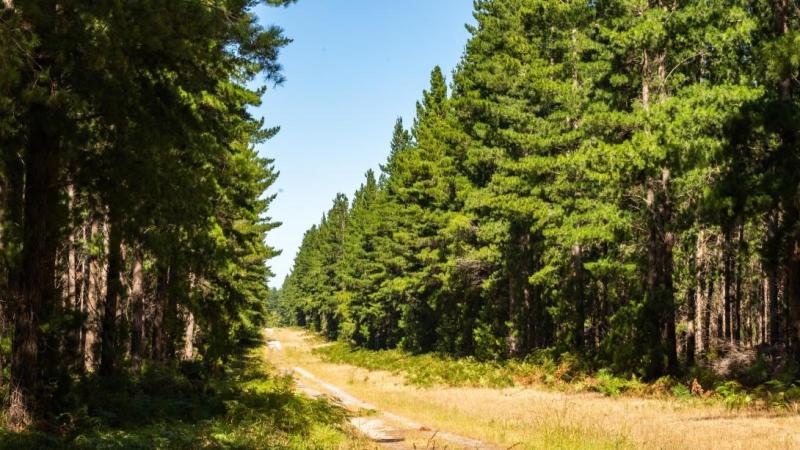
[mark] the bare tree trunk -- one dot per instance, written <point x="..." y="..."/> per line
<point x="3" y="332"/>
<point x="736" y="331"/>
<point x="94" y="291"/>
<point x="660" y="290"/>
<point x="773" y="283"/>
<point x="72" y="287"/>
<point x="521" y="307"/>
<point x="764" y="294"/>
<point x="70" y="293"/>
<point x="532" y="325"/>
<point x="660" y="240"/>
<point x="727" y="286"/>
<point x="84" y="275"/>
<point x="10" y="227"/>
<point x="188" y="338"/>
<point x="793" y="295"/>
<point x="137" y="310"/>
<point x="40" y="238"/>
<point x="691" y="301"/>
<point x="708" y="310"/>
<point x="108" y="353"/>
<point x="513" y="339"/>
<point x="159" y="345"/>
<point x="580" y="307"/>
<point x="701" y="300"/>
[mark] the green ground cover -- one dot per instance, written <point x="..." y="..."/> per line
<point x="246" y="406"/>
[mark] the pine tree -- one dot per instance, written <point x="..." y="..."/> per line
<point x="125" y="118"/>
<point x="611" y="179"/>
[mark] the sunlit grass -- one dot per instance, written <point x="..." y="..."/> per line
<point x="528" y="417"/>
<point x="566" y="375"/>
<point x="455" y="411"/>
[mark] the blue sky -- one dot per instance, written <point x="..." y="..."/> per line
<point x="353" y="68"/>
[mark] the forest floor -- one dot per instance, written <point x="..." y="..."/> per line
<point x="396" y="414"/>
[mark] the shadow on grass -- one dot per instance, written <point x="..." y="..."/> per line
<point x="246" y="408"/>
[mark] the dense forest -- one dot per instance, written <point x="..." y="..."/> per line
<point x="132" y="201"/>
<point x="614" y="179"/>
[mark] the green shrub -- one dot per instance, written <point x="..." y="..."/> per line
<point x="609" y="384"/>
<point x="681" y="391"/>
<point x="733" y="395"/>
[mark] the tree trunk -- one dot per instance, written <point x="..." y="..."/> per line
<point x="108" y="344"/>
<point x="701" y="301"/>
<point x="532" y="324"/>
<point x="83" y="292"/>
<point x="708" y="310"/>
<point x="159" y="344"/>
<point x="727" y="287"/>
<point x="513" y="339"/>
<point x="691" y="299"/>
<point x="72" y="286"/>
<point x="13" y="195"/>
<point x="521" y="307"/>
<point x="772" y="280"/>
<point x="659" y="284"/>
<point x="793" y="295"/>
<point x="3" y="333"/>
<point x="736" y="331"/>
<point x="94" y="287"/>
<point x="580" y="307"/>
<point x="4" y="290"/>
<point x="764" y="293"/>
<point x="137" y="311"/>
<point x="188" y="338"/>
<point x="660" y="332"/>
<point x="40" y="238"/>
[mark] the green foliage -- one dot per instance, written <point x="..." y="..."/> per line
<point x="613" y="386"/>
<point x="590" y="181"/>
<point x="423" y="370"/>
<point x="569" y="373"/>
<point x="776" y="393"/>
<point x="245" y="407"/>
<point x="733" y="395"/>
<point x="127" y="141"/>
<point x="681" y="391"/>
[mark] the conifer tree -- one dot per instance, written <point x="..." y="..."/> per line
<point x="611" y="179"/>
<point x="126" y="118"/>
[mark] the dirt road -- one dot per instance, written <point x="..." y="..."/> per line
<point x="396" y="415"/>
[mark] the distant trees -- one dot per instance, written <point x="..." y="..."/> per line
<point x="132" y="204"/>
<point x="616" y="179"/>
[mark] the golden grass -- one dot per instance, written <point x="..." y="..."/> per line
<point x="527" y="418"/>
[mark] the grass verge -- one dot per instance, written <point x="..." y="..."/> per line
<point x="246" y="407"/>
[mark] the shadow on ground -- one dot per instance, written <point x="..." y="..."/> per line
<point x="246" y="407"/>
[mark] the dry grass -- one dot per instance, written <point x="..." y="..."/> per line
<point x="534" y="419"/>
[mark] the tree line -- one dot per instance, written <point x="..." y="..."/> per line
<point x="616" y="179"/>
<point x="132" y="201"/>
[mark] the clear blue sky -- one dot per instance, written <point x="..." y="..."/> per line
<point x="353" y="68"/>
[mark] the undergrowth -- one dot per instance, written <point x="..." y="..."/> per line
<point x="564" y="374"/>
<point x="246" y="407"/>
